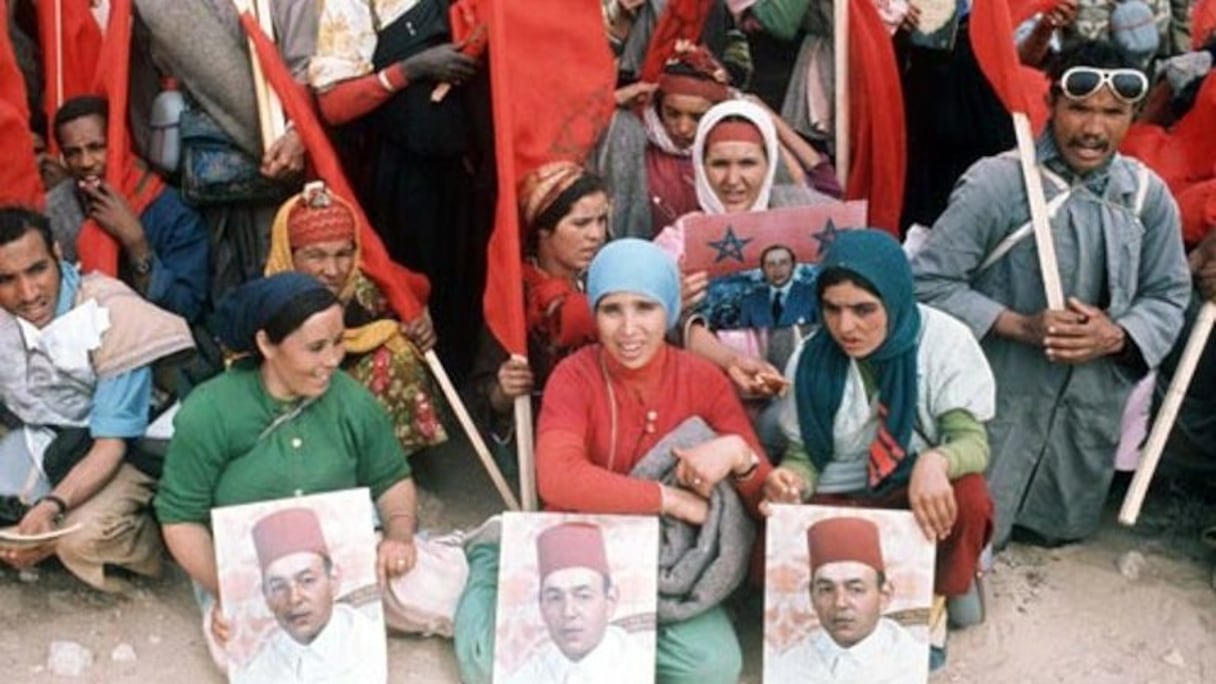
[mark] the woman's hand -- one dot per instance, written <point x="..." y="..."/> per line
<point x="421" y="331"/>
<point x="634" y="94"/>
<point x="702" y="467"/>
<point x="754" y="377"/>
<point x="694" y="287"/>
<point x="514" y="380"/>
<point x="285" y="158"/>
<point x="221" y="631"/>
<point x="444" y="63"/>
<point x="931" y="496"/>
<point x="683" y="505"/>
<point x="783" y="486"/>
<point x="394" y="558"/>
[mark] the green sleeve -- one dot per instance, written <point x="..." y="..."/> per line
<point x="782" y="18"/>
<point x="382" y="461"/>
<point x="964" y="442"/>
<point x="195" y="461"/>
<point x="798" y="461"/>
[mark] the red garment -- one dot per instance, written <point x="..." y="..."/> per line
<point x="553" y="84"/>
<point x="350" y="99"/>
<point x="405" y="290"/>
<point x="1203" y="22"/>
<point x="681" y="20"/>
<point x="557" y="311"/>
<point x="672" y="187"/>
<point x="958" y="555"/>
<point x="1197" y="204"/>
<point x="575" y="469"/>
<point x="878" y="151"/>
<point x="19" y="179"/>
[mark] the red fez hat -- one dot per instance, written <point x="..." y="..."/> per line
<point x="844" y="539"/>
<point x="571" y="545"/>
<point x="319" y="216"/>
<point x="734" y="131"/>
<point x="291" y="530"/>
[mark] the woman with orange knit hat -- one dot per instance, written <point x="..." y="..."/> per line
<point x="316" y="233"/>
<point x="564" y="211"/>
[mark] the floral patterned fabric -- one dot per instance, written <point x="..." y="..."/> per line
<point x="346" y="37"/>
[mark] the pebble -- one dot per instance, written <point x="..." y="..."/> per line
<point x="154" y="639"/>
<point x="28" y="575"/>
<point x="123" y="653"/>
<point x="1131" y="565"/>
<point x="1174" y="657"/>
<point x="69" y="659"/>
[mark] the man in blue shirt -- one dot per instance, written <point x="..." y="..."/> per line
<point x="74" y="355"/>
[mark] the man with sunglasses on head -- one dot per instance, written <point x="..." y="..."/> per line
<point x="1063" y="376"/>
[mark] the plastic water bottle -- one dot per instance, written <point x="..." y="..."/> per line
<point x="165" y="147"/>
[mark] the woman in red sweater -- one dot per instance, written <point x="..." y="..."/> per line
<point x="605" y="407"/>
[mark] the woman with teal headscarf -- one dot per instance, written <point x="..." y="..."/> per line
<point x="888" y="407"/>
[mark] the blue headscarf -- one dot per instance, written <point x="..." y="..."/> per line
<point x="253" y="305"/>
<point x="819" y="380"/>
<point x="639" y="267"/>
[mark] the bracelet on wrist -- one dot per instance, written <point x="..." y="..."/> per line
<point x="61" y="506"/>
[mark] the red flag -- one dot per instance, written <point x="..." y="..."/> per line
<point x="1020" y="88"/>
<point x="98" y="249"/>
<point x="71" y="44"/>
<point x="878" y="150"/>
<point x="552" y="79"/>
<point x="681" y="20"/>
<point x="404" y="289"/>
<point x="19" y="180"/>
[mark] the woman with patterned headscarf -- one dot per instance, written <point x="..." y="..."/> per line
<point x="564" y="211"/>
<point x="315" y="233"/>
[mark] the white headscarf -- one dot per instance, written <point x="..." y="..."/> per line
<point x="762" y="120"/>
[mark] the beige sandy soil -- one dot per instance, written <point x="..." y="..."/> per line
<point x="1063" y="615"/>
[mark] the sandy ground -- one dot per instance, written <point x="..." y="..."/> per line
<point x="1062" y="615"/>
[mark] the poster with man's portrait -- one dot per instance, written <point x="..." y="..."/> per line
<point x="848" y="592"/>
<point x="577" y="599"/>
<point x="298" y="587"/>
<point x="762" y="264"/>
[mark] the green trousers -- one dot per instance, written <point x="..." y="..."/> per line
<point x="700" y="650"/>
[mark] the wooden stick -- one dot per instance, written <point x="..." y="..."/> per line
<point x="1043" y="241"/>
<point x="1168" y="413"/>
<point x="58" y="9"/>
<point x="271" y="122"/>
<point x="278" y="121"/>
<point x="840" y="28"/>
<point x="471" y="431"/>
<point x="525" y="448"/>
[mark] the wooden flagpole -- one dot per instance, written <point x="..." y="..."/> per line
<point x="840" y="46"/>
<point x="1168" y="413"/>
<point x="271" y="121"/>
<point x="1044" y="244"/>
<point x="525" y="448"/>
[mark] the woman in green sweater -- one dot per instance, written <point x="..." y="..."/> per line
<point x="281" y="422"/>
<point x="888" y="407"/>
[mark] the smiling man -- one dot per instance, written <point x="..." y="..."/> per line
<point x="318" y="639"/>
<point x="74" y="355"/>
<point x="849" y="592"/>
<point x="577" y="602"/>
<point x="1063" y="376"/>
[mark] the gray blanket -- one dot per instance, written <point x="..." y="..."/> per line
<point x="698" y="566"/>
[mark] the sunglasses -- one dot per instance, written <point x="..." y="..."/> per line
<point x="1129" y="85"/>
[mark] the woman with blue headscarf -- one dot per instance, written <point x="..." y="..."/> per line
<point x="888" y="407"/>
<point x="608" y="405"/>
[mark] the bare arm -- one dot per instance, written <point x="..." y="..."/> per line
<point x="192" y="548"/>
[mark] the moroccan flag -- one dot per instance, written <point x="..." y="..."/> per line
<point x="98" y="250"/>
<point x="404" y="289"/>
<point x="1020" y="88"/>
<point x="19" y="180"/>
<point x="71" y="44"/>
<point x="681" y="20"/>
<point x="552" y="80"/>
<point x="878" y="149"/>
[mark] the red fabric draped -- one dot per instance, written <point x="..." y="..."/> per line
<point x="552" y="78"/>
<point x="404" y="289"/>
<point x="98" y="250"/>
<point x="69" y="55"/>
<point x="1020" y="88"/>
<point x="1203" y="22"/>
<point x="681" y="19"/>
<point x="878" y="150"/>
<point x="19" y="180"/>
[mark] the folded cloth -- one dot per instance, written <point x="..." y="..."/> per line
<point x="698" y="566"/>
